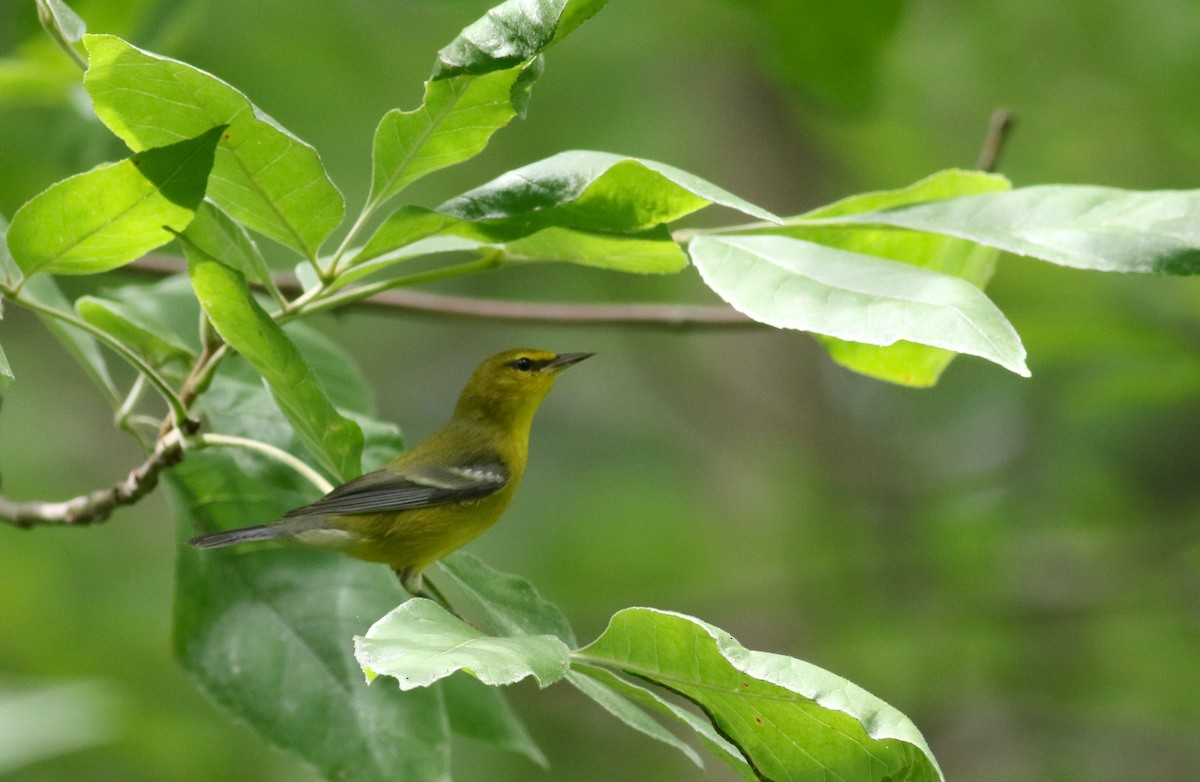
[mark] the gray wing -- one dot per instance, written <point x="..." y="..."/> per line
<point x="385" y="491"/>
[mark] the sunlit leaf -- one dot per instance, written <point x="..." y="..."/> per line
<point x="263" y="176"/>
<point x="1086" y="227"/>
<point x="115" y="213"/>
<point x="454" y="122"/>
<point x="421" y="642"/>
<point x="792" y="720"/>
<point x="789" y="283"/>
<point x="909" y="363"/>
<point x="596" y="191"/>
<point x="510" y="33"/>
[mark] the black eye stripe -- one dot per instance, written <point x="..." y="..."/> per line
<point x="522" y="364"/>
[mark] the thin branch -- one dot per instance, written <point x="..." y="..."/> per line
<point x="674" y="316"/>
<point x="999" y="130"/>
<point x="99" y="504"/>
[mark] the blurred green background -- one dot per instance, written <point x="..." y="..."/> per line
<point x="1015" y="564"/>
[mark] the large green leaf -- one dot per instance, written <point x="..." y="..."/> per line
<point x="511" y="33"/>
<point x="263" y="175"/>
<point x="266" y="634"/>
<point x="789" y="283"/>
<point x="909" y="363"/>
<point x="595" y="191"/>
<point x="454" y="122"/>
<point x="482" y="714"/>
<point x="1086" y="227"/>
<point x="792" y="720"/>
<point x="420" y="642"/>
<point x="334" y="440"/>
<point x="115" y="213"/>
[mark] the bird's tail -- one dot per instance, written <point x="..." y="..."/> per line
<point x="244" y="535"/>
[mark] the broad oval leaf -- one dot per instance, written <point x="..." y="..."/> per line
<point x="263" y="175"/>
<point x="791" y="720"/>
<point x="420" y="642"/>
<point x="226" y="240"/>
<point x="1086" y="227"/>
<point x="789" y="283"/>
<point x="596" y="191"/>
<point x="334" y="440"/>
<point x="908" y="363"/>
<point x="115" y="213"/>
<point x="510" y="33"/>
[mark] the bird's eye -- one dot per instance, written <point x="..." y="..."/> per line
<point x="523" y="364"/>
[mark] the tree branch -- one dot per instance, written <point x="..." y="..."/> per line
<point x="99" y="504"/>
<point x="999" y="129"/>
<point x="673" y="316"/>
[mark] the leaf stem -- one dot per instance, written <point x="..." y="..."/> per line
<point x="278" y="454"/>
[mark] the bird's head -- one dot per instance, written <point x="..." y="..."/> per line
<point x="509" y="386"/>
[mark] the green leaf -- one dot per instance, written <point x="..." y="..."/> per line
<point x="265" y="633"/>
<point x="904" y="362"/>
<point x="421" y="642"/>
<point x="43" y="721"/>
<point x="334" y="440"/>
<point x="156" y="344"/>
<point x="791" y="719"/>
<point x="511" y="33"/>
<point x="1085" y="227"/>
<point x="594" y="191"/>
<point x="631" y="714"/>
<point x="226" y="240"/>
<point x="115" y="213"/>
<point x="263" y="175"/>
<point x="454" y="123"/>
<point x="508" y="602"/>
<point x="789" y="283"/>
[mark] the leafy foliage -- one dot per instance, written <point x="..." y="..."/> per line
<point x="892" y="283"/>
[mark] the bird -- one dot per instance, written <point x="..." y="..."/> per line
<point x="439" y="495"/>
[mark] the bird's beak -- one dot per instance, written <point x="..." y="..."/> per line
<point x="564" y="360"/>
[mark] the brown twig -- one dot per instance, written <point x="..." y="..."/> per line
<point x="681" y="316"/>
<point x="98" y="505"/>
<point x="999" y="129"/>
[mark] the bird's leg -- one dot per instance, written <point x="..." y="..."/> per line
<point x="416" y="585"/>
